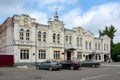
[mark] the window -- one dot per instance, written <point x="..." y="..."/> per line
<point x="89" y="45"/>
<point x="70" y="40"/>
<point x="107" y="47"/>
<point x="86" y="44"/>
<point x="99" y="57"/>
<point x="24" y="54"/>
<point x="79" y="55"/>
<point x="77" y="41"/>
<point x="42" y="54"/>
<point x="66" y="39"/>
<point x="21" y="34"/>
<point x="27" y="34"/>
<point x="44" y="37"/>
<point x="95" y="46"/>
<point x="96" y="57"/>
<point x="104" y="47"/>
<point x="53" y="38"/>
<point x="39" y="36"/>
<point x="58" y="38"/>
<point x="98" y="46"/>
<point x="80" y="41"/>
<point x="56" y="54"/>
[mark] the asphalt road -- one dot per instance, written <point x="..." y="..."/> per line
<point x="105" y="72"/>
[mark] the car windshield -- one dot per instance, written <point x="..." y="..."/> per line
<point x="89" y="61"/>
<point x="54" y="61"/>
<point x="70" y="61"/>
<point x="74" y="61"/>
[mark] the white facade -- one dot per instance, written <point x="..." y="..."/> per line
<point x="29" y="41"/>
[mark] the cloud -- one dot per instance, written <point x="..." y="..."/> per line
<point x="59" y="8"/>
<point x="51" y="2"/>
<point x="9" y="2"/>
<point x="11" y="6"/>
<point x="39" y="16"/>
<point x="72" y="18"/>
<point x="95" y="19"/>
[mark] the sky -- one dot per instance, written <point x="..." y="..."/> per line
<point x="91" y="15"/>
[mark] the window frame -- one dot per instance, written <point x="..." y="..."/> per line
<point x="39" y="36"/>
<point x="44" y="36"/>
<point x="21" y="34"/>
<point x="56" y="54"/>
<point x="27" y="34"/>
<point x="58" y="38"/>
<point x="54" y="37"/>
<point x="24" y="54"/>
<point x="70" y="37"/>
<point x="41" y="54"/>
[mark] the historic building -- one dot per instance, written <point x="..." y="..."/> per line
<point x="29" y="41"/>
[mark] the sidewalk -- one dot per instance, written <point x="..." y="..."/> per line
<point x="110" y="64"/>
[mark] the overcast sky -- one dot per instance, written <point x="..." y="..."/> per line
<point x="91" y="15"/>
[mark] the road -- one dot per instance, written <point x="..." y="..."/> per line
<point x="105" y="72"/>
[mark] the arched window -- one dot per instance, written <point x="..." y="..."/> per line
<point x="77" y="41"/>
<point x="39" y="36"/>
<point x="89" y="45"/>
<point x="104" y="47"/>
<point x="86" y="44"/>
<point x="70" y="39"/>
<point x="66" y="38"/>
<point x="27" y="35"/>
<point x="21" y="34"/>
<point x="44" y="37"/>
<point x="80" y="41"/>
<point x="53" y="38"/>
<point x="107" y="47"/>
<point x="58" y="38"/>
<point x="98" y="46"/>
<point x="95" y="46"/>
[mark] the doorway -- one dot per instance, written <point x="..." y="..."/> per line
<point x="90" y="56"/>
<point x="105" y="58"/>
<point x="68" y="55"/>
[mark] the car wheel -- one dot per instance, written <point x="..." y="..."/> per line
<point x="71" y="67"/>
<point x="50" y="68"/>
<point x="93" y="65"/>
<point x="37" y="67"/>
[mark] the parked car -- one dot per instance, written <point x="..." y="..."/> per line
<point x="70" y="64"/>
<point x="49" y="64"/>
<point x="90" y="63"/>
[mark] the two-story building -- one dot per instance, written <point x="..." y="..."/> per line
<point x="30" y="41"/>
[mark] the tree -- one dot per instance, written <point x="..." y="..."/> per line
<point x="110" y="32"/>
<point x="116" y="52"/>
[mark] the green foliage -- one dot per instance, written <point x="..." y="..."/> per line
<point x="110" y="32"/>
<point x="116" y="52"/>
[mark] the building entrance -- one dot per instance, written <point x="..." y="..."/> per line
<point x="68" y="55"/>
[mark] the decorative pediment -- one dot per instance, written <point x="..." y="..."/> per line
<point x="89" y="35"/>
<point x="57" y="26"/>
<point x="79" y="30"/>
<point x="23" y="20"/>
<point x="69" y="32"/>
<point x="105" y="37"/>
